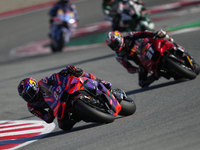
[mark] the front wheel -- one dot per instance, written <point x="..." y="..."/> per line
<point x="128" y="107"/>
<point x="92" y="112"/>
<point x="197" y="68"/>
<point x="58" y="43"/>
<point x="180" y="69"/>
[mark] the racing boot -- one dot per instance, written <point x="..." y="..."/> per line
<point x="147" y="82"/>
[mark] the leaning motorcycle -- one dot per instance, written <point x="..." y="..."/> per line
<point x="89" y="98"/>
<point x="62" y="26"/>
<point x="166" y="59"/>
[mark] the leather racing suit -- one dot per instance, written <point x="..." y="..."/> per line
<point x="127" y="54"/>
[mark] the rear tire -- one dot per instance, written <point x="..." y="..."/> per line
<point x="177" y="68"/>
<point x="93" y="113"/>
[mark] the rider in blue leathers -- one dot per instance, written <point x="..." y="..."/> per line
<point x="65" y="6"/>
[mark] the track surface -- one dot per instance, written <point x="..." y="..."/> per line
<point x="167" y="115"/>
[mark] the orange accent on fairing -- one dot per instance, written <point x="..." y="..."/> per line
<point x="92" y="77"/>
<point x="118" y="107"/>
<point x="78" y="86"/>
<point x="189" y="61"/>
<point x="63" y="110"/>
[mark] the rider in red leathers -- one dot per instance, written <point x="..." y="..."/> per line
<point x="123" y="46"/>
<point x="33" y="93"/>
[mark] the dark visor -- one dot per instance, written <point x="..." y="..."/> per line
<point x="29" y="94"/>
<point x="114" y="45"/>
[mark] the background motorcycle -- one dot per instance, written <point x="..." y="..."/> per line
<point x="163" y="58"/>
<point x="63" y="24"/>
<point x="87" y="97"/>
<point x="133" y="17"/>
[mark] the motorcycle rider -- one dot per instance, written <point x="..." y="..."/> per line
<point x="114" y="13"/>
<point x="65" y="6"/>
<point x="123" y="46"/>
<point x="33" y="93"/>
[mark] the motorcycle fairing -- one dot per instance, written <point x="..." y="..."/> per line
<point x="72" y="85"/>
<point x="150" y="54"/>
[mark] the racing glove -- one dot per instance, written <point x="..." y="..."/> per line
<point x="106" y="84"/>
<point x="160" y="34"/>
<point x="72" y="70"/>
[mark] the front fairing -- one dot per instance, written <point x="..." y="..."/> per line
<point x="62" y="84"/>
<point x="98" y="90"/>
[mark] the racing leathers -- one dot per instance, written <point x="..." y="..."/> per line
<point x="64" y="7"/>
<point x="127" y="53"/>
<point x="60" y="7"/>
<point x="41" y="109"/>
<point x="118" y="11"/>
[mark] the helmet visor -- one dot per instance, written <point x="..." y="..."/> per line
<point x="115" y="45"/>
<point x="29" y="93"/>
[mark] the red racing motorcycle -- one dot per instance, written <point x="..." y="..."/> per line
<point x="163" y="58"/>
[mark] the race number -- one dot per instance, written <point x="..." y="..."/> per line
<point x="57" y="92"/>
<point x="150" y="53"/>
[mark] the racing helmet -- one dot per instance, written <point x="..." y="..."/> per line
<point x="28" y="89"/>
<point x="115" y="40"/>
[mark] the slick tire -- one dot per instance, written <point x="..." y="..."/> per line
<point x="93" y="113"/>
<point x="197" y="69"/>
<point x="177" y="68"/>
<point x="128" y="108"/>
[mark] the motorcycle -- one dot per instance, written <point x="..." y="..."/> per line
<point x="166" y="59"/>
<point x="62" y="25"/>
<point x="133" y="17"/>
<point x="89" y="98"/>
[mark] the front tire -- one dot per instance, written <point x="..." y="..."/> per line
<point x="93" y="113"/>
<point x="128" y="108"/>
<point x="197" y="69"/>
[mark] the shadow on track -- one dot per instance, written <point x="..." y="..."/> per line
<point x="155" y="87"/>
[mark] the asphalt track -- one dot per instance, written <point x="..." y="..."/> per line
<point x="167" y="115"/>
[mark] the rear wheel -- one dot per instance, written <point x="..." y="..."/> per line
<point x="93" y="113"/>
<point x="180" y="69"/>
